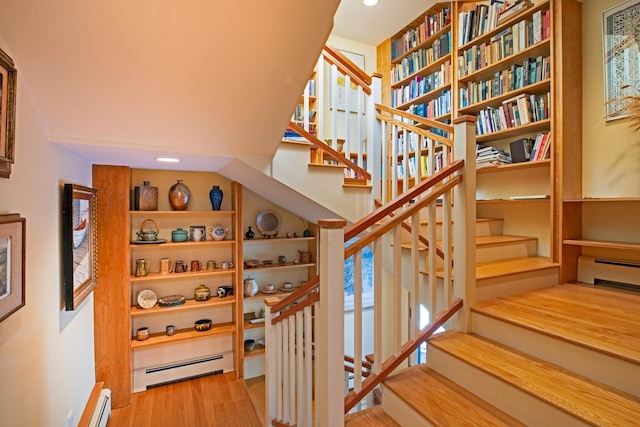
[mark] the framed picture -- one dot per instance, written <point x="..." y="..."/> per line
<point x="79" y="246"/>
<point x="12" y="284"/>
<point x="620" y="45"/>
<point x="8" y="78"/>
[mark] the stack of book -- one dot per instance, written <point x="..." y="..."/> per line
<point x="491" y="156"/>
<point x="514" y="9"/>
<point x="291" y="135"/>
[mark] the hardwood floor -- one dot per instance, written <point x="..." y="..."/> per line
<point x="217" y="400"/>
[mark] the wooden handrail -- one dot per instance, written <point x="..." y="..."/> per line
<point x="344" y="64"/>
<point x="333" y="153"/>
<point x="295" y="295"/>
<point x="311" y="298"/>
<point x="404" y="198"/>
<point x="393" y="362"/>
<point x="382" y="229"/>
<point x="444" y="140"/>
<point x="422" y="120"/>
<point x="407" y="227"/>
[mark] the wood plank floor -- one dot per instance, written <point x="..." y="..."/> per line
<point x="601" y="319"/>
<point x="217" y="400"/>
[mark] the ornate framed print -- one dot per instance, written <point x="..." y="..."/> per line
<point x="621" y="43"/>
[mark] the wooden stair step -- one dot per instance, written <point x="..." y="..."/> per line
<point x="573" y="394"/>
<point x="602" y="320"/>
<point x="371" y="417"/>
<point x="507" y="267"/>
<point x="487" y="241"/>
<point x="443" y="402"/>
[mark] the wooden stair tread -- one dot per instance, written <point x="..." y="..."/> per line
<point x="371" y="417"/>
<point x="599" y="319"/>
<point x="443" y="402"/>
<point x="585" y="399"/>
<point x="505" y="267"/>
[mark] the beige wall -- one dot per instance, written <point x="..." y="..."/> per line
<point x="46" y="353"/>
<point x="611" y="150"/>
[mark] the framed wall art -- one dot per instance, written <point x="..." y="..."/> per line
<point x="79" y="246"/>
<point x="620" y="44"/>
<point x="8" y="79"/>
<point x="12" y="254"/>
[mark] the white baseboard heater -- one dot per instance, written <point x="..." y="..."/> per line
<point x="616" y="273"/>
<point x="102" y="411"/>
<point x="145" y="378"/>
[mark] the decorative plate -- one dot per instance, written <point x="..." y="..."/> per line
<point x="171" y="300"/>
<point x="148" y="242"/>
<point x="269" y="223"/>
<point x="147" y="298"/>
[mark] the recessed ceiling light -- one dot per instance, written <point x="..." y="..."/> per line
<point x="167" y="159"/>
<point x="370" y="2"/>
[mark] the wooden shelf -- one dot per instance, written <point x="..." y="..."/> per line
<point x="259" y="350"/>
<point x="188" y="274"/>
<point x="189" y="304"/>
<point x="148" y="214"/>
<point x="249" y="325"/>
<point x="633" y="246"/>
<point x="278" y="239"/>
<point x="425" y="97"/>
<point x="423" y="72"/>
<point x="536" y="88"/>
<point x="604" y="200"/>
<point x="277" y="266"/>
<point x="496" y="201"/>
<point x="262" y="295"/>
<point x="182" y="245"/>
<point x="183" y="334"/>
<point x="426" y="43"/>
<point x="514" y="166"/>
<point x="539" y="126"/>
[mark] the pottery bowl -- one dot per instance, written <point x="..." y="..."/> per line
<point x="249" y="345"/>
<point x="203" y="325"/>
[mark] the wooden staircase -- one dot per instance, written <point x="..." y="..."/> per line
<point x="559" y="356"/>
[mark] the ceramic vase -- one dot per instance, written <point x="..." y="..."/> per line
<point x="216" y="197"/>
<point x="179" y="196"/>
<point x="250" y="234"/>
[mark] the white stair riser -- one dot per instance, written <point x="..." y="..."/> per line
<point x="520" y="249"/>
<point x="515" y="402"/>
<point x="512" y="284"/>
<point x="483" y="228"/>
<point x="400" y="411"/>
<point x="619" y="374"/>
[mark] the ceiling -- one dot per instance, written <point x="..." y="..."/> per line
<point x="123" y="82"/>
<point x="372" y="25"/>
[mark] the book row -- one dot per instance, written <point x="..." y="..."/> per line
<point x="421" y="85"/>
<point x="517" y="111"/>
<point x="434" y="108"/>
<point x="478" y="21"/>
<point x="517" y="76"/>
<point x="412" y="140"/>
<point x="510" y="41"/>
<point x="425" y="166"/>
<point x="415" y="36"/>
<point x="491" y="156"/>
<point x="421" y="58"/>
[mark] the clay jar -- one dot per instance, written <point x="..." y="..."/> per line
<point x="202" y="293"/>
<point x="179" y="196"/>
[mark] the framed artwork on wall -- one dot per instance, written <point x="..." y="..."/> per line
<point x="12" y="254"/>
<point x="79" y="246"/>
<point x="8" y="78"/>
<point x="621" y="50"/>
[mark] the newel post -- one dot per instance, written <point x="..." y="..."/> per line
<point x="329" y="396"/>
<point x="464" y="220"/>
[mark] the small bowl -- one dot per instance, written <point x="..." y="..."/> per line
<point x="267" y="262"/>
<point x="249" y="345"/>
<point x="203" y="325"/>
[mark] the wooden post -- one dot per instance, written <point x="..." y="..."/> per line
<point x="374" y="139"/>
<point x="330" y="327"/>
<point x="272" y="348"/>
<point x="464" y="219"/>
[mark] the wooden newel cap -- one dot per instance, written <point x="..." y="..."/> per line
<point x="332" y="223"/>
<point x="465" y="119"/>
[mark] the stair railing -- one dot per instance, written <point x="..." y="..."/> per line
<point x="305" y="331"/>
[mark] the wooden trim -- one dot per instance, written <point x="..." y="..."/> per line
<point x="237" y="191"/>
<point x="393" y="362"/>
<point x="332" y="223"/>
<point x="91" y="405"/>
<point x="465" y="119"/>
<point x="312" y="298"/>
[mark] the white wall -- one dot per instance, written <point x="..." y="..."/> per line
<point x="611" y="150"/>
<point x="46" y="353"/>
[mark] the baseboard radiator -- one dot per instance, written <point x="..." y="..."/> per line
<point x="608" y="272"/>
<point x="149" y="377"/>
<point x="102" y="411"/>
